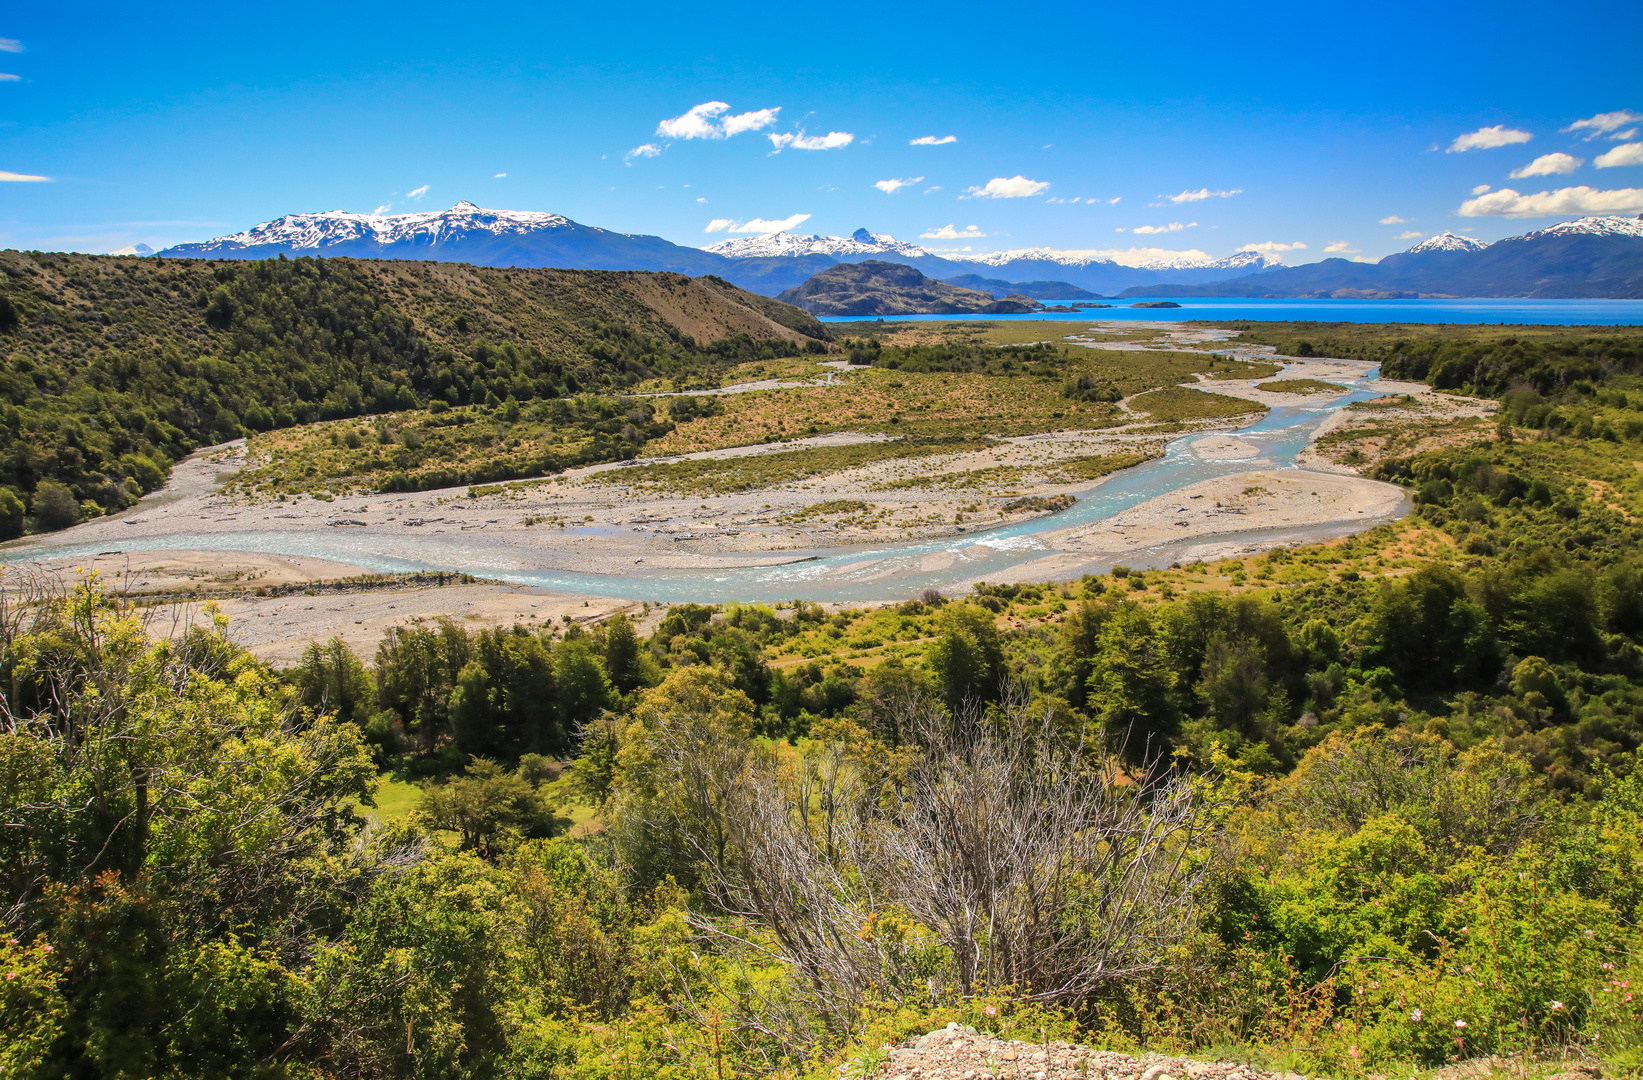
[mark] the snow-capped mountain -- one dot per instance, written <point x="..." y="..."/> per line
<point x="785" y="245"/>
<point x="1446" y="241"/>
<point x="1245" y="261"/>
<point x="1601" y="225"/>
<point x="1593" y="257"/>
<point x="303" y="232"/>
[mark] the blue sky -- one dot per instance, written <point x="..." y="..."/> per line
<point x="1320" y="123"/>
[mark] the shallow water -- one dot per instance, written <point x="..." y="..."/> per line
<point x="853" y="574"/>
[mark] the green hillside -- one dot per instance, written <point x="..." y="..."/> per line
<point x="113" y="368"/>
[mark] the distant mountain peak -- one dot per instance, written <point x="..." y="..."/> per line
<point x="329" y="228"/>
<point x="794" y="245"/>
<point x="1597" y="225"/>
<point x="1446" y="241"/>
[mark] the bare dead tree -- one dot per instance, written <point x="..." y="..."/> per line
<point x="1029" y="863"/>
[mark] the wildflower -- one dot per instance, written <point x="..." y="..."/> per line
<point x="991" y="1010"/>
<point x="1415" y="1015"/>
<point x="1355" y="1052"/>
<point x="48" y="948"/>
<point x="1589" y="933"/>
<point x="1556" y="1005"/>
<point x="1608" y="966"/>
<point x="10" y="975"/>
<point x="1460" y="1023"/>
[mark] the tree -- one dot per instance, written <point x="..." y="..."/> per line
<point x="330" y="678"/>
<point x="1131" y="685"/>
<point x="584" y="689"/>
<point x="55" y="506"/>
<point x="622" y="655"/>
<point x="11" y="514"/>
<point x="967" y="659"/>
<point x="486" y="805"/>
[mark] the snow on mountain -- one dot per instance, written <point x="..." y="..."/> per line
<point x="1601" y="225"/>
<point x="298" y="231"/>
<point x="1135" y="258"/>
<point x="1446" y="241"/>
<point x="793" y="245"/>
<point x="134" y="249"/>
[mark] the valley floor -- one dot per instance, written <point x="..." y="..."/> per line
<point x="636" y="522"/>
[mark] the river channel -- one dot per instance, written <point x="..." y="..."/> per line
<point x="859" y="573"/>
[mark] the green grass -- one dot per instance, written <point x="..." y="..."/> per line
<point x="710" y="476"/>
<point x="1179" y="403"/>
<point x="395" y="800"/>
<point x="1302" y="386"/>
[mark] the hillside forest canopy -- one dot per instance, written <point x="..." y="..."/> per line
<point x="1366" y="807"/>
<point x="115" y="368"/>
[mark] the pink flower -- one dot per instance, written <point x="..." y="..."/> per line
<point x="1460" y="1023"/>
<point x="48" y="948"/>
<point x="1556" y="1005"/>
<point x="991" y="1010"/>
<point x="1415" y="1015"/>
<point x="10" y="975"/>
<point x="1355" y="1052"/>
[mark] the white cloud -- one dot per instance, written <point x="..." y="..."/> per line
<point x="1272" y="247"/>
<point x="1480" y="189"/>
<point x="756" y="120"/>
<point x="757" y="226"/>
<point x="1630" y="154"/>
<point x="1114" y="200"/>
<point x="1393" y="219"/>
<point x="1487" y="139"/>
<point x="800" y="141"/>
<point x="707" y="121"/>
<point x="1341" y="247"/>
<point x="1008" y="187"/>
<point x="10" y="45"/>
<point x="1365" y="259"/>
<point x="1410" y="235"/>
<point x="1549" y="165"/>
<point x="22" y="178"/>
<point x="1569" y="200"/>
<point x="933" y="140"/>
<point x="1622" y="136"/>
<point x="700" y="199"/>
<point x="1153" y="230"/>
<point x="698" y="123"/>
<point x="932" y="187"/>
<point x="953" y="232"/>
<point x="643" y="150"/>
<point x="418" y="192"/>
<point x="384" y="208"/>
<point x="1201" y="194"/>
<point x="6" y="76"/>
<point x="889" y="187"/>
<point x="500" y="176"/>
<point x="1603" y="124"/>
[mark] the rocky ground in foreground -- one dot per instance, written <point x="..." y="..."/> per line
<point x="961" y="1053"/>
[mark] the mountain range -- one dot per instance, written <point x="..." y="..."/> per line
<point x="1592" y="257"/>
<point x="765" y="264"/>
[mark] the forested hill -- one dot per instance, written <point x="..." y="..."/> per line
<point x="113" y="368"/>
